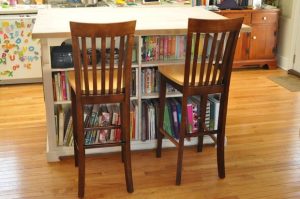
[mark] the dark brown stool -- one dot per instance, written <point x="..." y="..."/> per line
<point x="200" y="77"/>
<point x="92" y="84"/>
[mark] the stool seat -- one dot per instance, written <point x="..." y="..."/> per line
<point x="176" y="73"/>
<point x="90" y="78"/>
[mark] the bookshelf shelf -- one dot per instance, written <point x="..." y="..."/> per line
<point x="62" y="102"/>
<point x="157" y="63"/>
<point x="61" y="69"/>
<point x="156" y="95"/>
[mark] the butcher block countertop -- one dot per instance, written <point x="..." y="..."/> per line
<point x="54" y="23"/>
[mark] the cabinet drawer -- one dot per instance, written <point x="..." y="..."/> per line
<point x="247" y="16"/>
<point x="264" y="18"/>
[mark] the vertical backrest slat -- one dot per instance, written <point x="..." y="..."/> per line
<point x="120" y="63"/>
<point x="227" y="52"/>
<point x="77" y="66"/>
<point x="203" y="59"/>
<point x="85" y="65"/>
<point x="94" y="65"/>
<point x="195" y="59"/>
<point x="103" y="59"/>
<point x="111" y="64"/>
<point x="188" y="59"/>
<point x="218" y="58"/>
<point x="128" y="62"/>
<point x="211" y="59"/>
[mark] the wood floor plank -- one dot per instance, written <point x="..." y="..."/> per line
<point x="262" y="153"/>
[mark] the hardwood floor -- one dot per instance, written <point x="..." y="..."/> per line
<point x="262" y="153"/>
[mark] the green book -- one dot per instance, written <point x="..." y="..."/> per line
<point x="167" y="121"/>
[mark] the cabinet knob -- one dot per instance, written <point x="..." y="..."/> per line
<point x="254" y="37"/>
<point x="264" y="18"/>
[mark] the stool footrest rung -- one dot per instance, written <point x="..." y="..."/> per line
<point x="102" y="127"/>
<point x="172" y="139"/>
<point x="90" y="146"/>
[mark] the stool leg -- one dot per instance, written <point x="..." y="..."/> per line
<point x="162" y="99"/>
<point x="123" y="150"/>
<point x="81" y="151"/>
<point x="127" y="153"/>
<point x="221" y="136"/>
<point x="200" y="143"/>
<point x="220" y="154"/>
<point x="81" y="173"/>
<point x="74" y="117"/>
<point x="181" y="139"/>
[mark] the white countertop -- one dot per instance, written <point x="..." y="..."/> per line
<point x="22" y="9"/>
<point x="54" y="23"/>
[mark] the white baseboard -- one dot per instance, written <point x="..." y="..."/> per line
<point x="284" y="63"/>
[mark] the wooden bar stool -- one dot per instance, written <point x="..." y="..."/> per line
<point x="107" y="83"/>
<point x="200" y="77"/>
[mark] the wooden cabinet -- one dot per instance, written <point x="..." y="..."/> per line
<point x="259" y="46"/>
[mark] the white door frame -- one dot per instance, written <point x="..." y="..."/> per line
<point x="296" y="27"/>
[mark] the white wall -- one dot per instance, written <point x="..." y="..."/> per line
<point x="287" y="32"/>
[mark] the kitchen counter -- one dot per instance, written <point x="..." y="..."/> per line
<point x="22" y="9"/>
<point x="54" y="23"/>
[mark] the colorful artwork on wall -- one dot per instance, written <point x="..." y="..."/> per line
<point x="19" y="53"/>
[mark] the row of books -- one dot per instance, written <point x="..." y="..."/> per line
<point x="109" y="114"/>
<point x="94" y="115"/>
<point x="64" y="125"/>
<point x="172" y="116"/>
<point x="158" y="48"/>
<point x="149" y="120"/>
<point x="172" y="120"/>
<point x="102" y="115"/>
<point x="61" y="87"/>
<point x="198" y="2"/>
<point x="150" y="81"/>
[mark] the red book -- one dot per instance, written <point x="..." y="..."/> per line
<point x="161" y="48"/>
<point x="169" y="46"/>
<point x="63" y="85"/>
<point x="165" y="47"/>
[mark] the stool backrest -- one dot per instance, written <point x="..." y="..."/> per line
<point x="114" y="72"/>
<point x="210" y="44"/>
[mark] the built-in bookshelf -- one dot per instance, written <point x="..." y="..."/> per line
<point x="160" y="49"/>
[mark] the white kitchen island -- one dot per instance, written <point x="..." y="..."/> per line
<point x="52" y="27"/>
